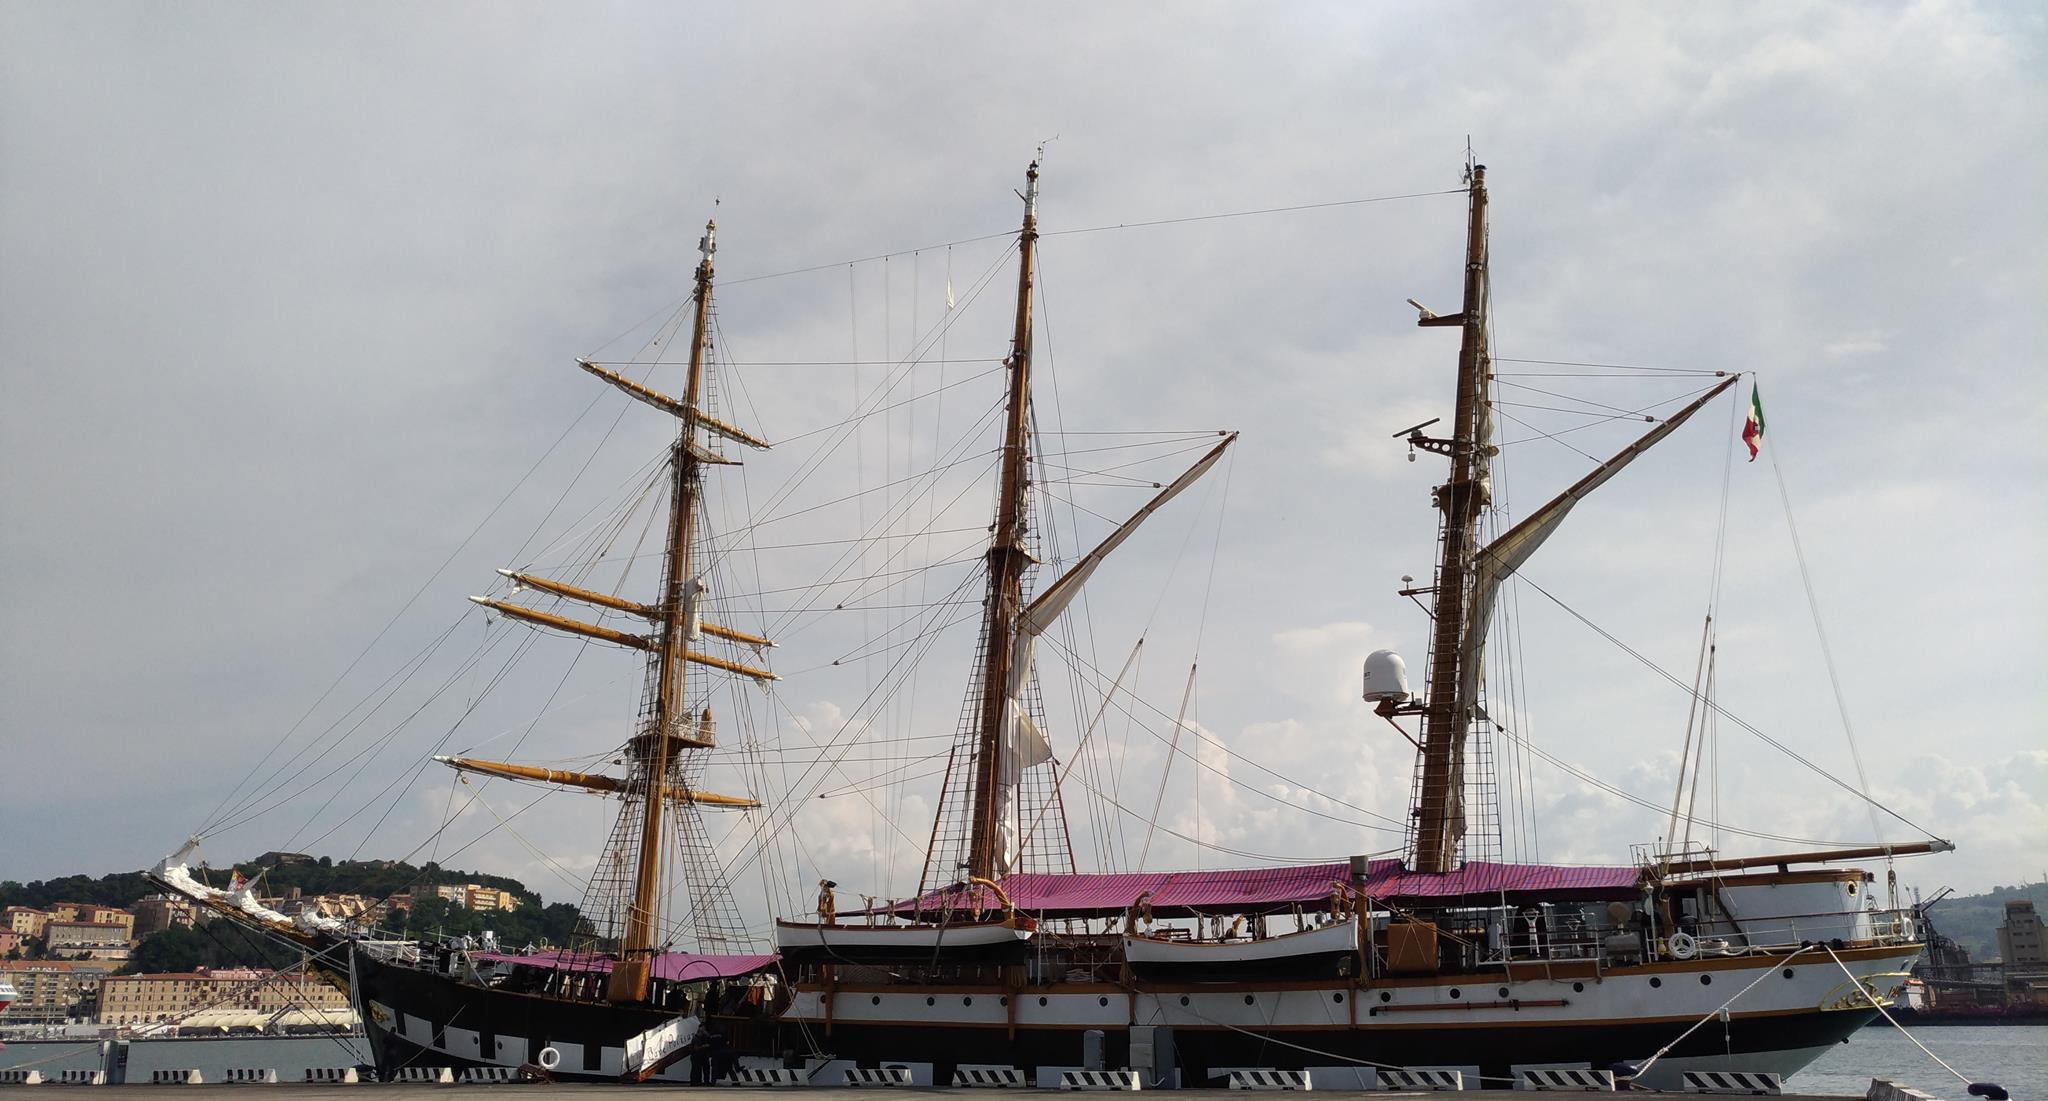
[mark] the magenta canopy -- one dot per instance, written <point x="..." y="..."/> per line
<point x="669" y="966"/>
<point x="1178" y="894"/>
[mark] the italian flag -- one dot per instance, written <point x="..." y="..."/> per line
<point x="1753" y="428"/>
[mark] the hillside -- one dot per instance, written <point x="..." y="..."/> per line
<point x="1973" y="920"/>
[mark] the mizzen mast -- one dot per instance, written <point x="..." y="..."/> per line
<point x="1440" y="801"/>
<point x="1007" y="558"/>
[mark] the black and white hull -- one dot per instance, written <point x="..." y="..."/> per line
<point x="418" y="1017"/>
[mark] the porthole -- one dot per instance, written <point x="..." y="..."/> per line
<point x="1183" y="999"/>
<point x="1655" y="981"/>
<point x="1788" y="972"/>
<point x="1102" y="1001"/>
<point x="967" y="1001"/>
<point x="1250" y="1000"/>
<point x="931" y="1001"/>
<point x="1042" y="1001"/>
<point x="1004" y="1000"/>
<point x="876" y="1000"/>
<point x="1338" y="998"/>
<point x="1503" y="991"/>
<point x="1578" y="988"/>
<point x="1386" y="995"/>
<point x="1455" y="995"/>
<point x="1706" y="980"/>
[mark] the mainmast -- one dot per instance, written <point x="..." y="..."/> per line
<point x="1448" y="714"/>
<point x="1007" y="556"/>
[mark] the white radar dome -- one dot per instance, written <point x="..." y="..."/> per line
<point x="1386" y="677"/>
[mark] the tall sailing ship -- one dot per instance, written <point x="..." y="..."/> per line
<point x="1435" y="960"/>
<point x="1009" y="957"/>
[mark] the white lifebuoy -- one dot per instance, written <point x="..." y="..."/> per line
<point x="550" y="1058"/>
<point x="1682" y="946"/>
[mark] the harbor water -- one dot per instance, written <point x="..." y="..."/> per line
<point x="2014" y="1056"/>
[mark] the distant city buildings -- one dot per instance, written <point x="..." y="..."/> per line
<point x="80" y="940"/>
<point x="474" y="896"/>
<point x="26" y="920"/>
<point x="2019" y="939"/>
<point x="238" y="995"/>
<point x="52" y="992"/>
<point x="159" y="912"/>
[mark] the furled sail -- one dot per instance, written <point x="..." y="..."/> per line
<point x="1022" y="745"/>
<point x="1495" y="561"/>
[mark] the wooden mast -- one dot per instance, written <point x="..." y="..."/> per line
<point x="670" y="729"/>
<point x="1007" y="557"/>
<point x="1439" y="808"/>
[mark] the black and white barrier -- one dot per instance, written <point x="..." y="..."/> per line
<point x="1752" y="1082"/>
<point x="188" y="1076"/>
<point x="81" y="1078"/>
<point x="1411" y="1079"/>
<point x="989" y="1078"/>
<point x="877" y="1076"/>
<point x="767" y="1076"/>
<point x="438" y="1076"/>
<point x="1270" y="1080"/>
<point x="1100" y="1080"/>
<point x="332" y="1076"/>
<point x="490" y="1076"/>
<point x="265" y="1076"/>
<point x="21" y="1078"/>
<point x="1571" y="1081"/>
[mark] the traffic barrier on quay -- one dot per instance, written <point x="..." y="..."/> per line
<point x="877" y="1076"/>
<point x="266" y="1076"/>
<point x="1752" y="1082"/>
<point x="490" y="1076"/>
<point x="1571" y="1081"/>
<point x="767" y="1076"/>
<point x="332" y="1076"/>
<point x="439" y="1076"/>
<point x="188" y="1076"/>
<point x="1411" y="1079"/>
<point x="1100" y="1080"/>
<point x="1270" y="1080"/>
<point x="21" y="1078"/>
<point x="81" y="1078"/>
<point x="996" y="1078"/>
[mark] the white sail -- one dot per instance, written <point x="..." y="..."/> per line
<point x="1021" y="744"/>
<point x="1494" y="562"/>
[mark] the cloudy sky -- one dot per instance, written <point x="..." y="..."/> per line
<point x="293" y="295"/>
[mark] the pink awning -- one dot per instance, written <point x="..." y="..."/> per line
<point x="669" y="966"/>
<point x="1175" y="894"/>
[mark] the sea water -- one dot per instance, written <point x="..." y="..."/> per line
<point x="2014" y="1056"/>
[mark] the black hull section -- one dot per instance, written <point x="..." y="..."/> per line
<point x="417" y="1018"/>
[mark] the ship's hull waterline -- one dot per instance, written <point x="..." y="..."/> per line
<point x="416" y="1017"/>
